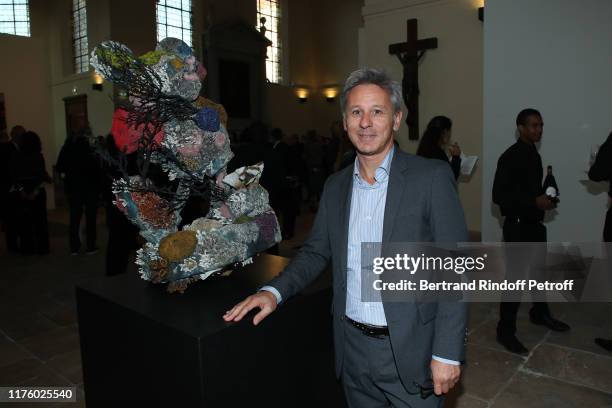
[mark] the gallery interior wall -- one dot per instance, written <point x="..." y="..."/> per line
<point x="64" y="82"/>
<point x="555" y="56"/>
<point x="321" y="37"/>
<point x="323" y="43"/>
<point x="24" y="80"/>
<point x="450" y="77"/>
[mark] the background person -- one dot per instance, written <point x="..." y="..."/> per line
<point x="601" y="170"/>
<point x="78" y="162"/>
<point x="10" y="199"/>
<point x="436" y="141"/>
<point x="518" y="190"/>
<point x="28" y="175"/>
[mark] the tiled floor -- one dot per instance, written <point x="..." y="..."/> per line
<point x="39" y="342"/>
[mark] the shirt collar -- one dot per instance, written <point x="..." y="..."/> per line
<point x="382" y="171"/>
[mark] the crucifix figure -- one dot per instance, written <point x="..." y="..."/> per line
<point x="409" y="53"/>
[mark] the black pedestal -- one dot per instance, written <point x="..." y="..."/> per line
<point x="142" y="346"/>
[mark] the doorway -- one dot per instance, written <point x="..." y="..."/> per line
<point x="76" y="114"/>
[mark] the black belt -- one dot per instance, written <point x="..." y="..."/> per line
<point x="368" y="329"/>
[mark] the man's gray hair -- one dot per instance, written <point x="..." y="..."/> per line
<point x="365" y="76"/>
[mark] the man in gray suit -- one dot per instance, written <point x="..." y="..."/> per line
<point x="387" y="353"/>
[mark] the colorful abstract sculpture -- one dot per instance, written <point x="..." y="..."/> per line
<point x="169" y="125"/>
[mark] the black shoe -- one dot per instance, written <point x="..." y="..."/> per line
<point x="511" y="343"/>
<point x="548" y="321"/>
<point x="605" y="343"/>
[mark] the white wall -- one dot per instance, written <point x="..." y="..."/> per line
<point x="450" y="77"/>
<point x="555" y="56"/>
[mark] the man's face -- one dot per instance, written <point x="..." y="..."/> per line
<point x="369" y="119"/>
<point x="532" y="129"/>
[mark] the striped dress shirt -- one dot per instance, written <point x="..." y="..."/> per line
<point x="365" y="225"/>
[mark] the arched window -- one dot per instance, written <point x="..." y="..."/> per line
<point x="80" y="46"/>
<point x="268" y="22"/>
<point x="174" y="20"/>
<point x="15" y="17"/>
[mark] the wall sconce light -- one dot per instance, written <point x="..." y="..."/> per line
<point x="481" y="13"/>
<point x="330" y="93"/>
<point x="97" y="82"/>
<point x="302" y="94"/>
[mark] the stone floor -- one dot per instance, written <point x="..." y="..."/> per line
<point x="39" y="341"/>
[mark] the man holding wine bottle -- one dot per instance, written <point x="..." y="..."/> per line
<point x="523" y="200"/>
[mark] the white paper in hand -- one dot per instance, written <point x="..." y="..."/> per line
<point x="467" y="164"/>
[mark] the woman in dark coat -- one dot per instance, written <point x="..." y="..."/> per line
<point x="435" y="138"/>
<point x="28" y="175"/>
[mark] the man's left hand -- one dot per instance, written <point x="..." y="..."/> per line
<point x="444" y="376"/>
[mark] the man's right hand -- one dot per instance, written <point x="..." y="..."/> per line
<point x="544" y="203"/>
<point x="264" y="300"/>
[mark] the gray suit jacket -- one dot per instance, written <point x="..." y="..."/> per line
<point x="422" y="206"/>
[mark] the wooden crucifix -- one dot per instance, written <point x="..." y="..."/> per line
<point x="409" y="53"/>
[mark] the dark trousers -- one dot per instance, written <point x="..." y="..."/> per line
<point x="516" y="231"/>
<point x="33" y="225"/>
<point x="89" y="202"/>
<point x="607" y="234"/>
<point x="370" y="377"/>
